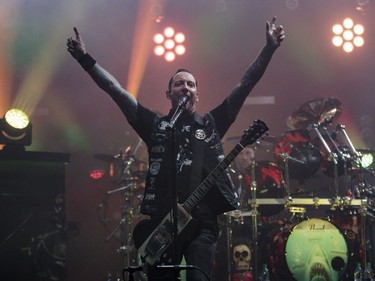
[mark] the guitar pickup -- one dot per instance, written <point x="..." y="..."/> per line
<point x="160" y="239"/>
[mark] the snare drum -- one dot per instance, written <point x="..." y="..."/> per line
<point x="313" y="249"/>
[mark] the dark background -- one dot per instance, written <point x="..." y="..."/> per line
<point x="71" y="115"/>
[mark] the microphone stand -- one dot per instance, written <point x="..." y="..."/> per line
<point x="173" y="192"/>
<point x="173" y="186"/>
<point x="173" y="189"/>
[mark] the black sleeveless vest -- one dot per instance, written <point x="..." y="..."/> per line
<point x="207" y="152"/>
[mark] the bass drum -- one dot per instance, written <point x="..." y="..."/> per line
<point x="304" y="158"/>
<point x="313" y="249"/>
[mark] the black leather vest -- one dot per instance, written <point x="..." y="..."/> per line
<point x="207" y="153"/>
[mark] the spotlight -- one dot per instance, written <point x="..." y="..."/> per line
<point x="348" y="35"/>
<point x="366" y="159"/>
<point x="15" y="129"/>
<point x="169" y="44"/>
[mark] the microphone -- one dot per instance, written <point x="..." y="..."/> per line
<point x="183" y="100"/>
<point x="180" y="108"/>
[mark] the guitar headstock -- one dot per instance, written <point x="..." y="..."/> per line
<point x="253" y="133"/>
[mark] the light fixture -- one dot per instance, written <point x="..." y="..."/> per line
<point x="348" y="35"/>
<point x="366" y="159"/>
<point x="15" y="129"/>
<point x="169" y="44"/>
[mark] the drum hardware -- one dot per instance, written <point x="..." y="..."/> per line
<point x="268" y="183"/>
<point x="297" y="142"/>
<point x="355" y="153"/>
<point x="297" y="212"/>
<point x="363" y="190"/>
<point x="128" y="181"/>
<point x="254" y="219"/>
<point x="333" y="158"/>
<point x="337" y="202"/>
<point x="295" y="149"/>
<point x="237" y="214"/>
<point x="285" y="158"/>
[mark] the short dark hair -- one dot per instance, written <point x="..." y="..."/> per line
<point x="178" y="71"/>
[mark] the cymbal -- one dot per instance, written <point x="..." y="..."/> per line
<point x="315" y="111"/>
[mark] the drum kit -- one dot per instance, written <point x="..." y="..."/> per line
<point x="129" y="174"/>
<point x="303" y="231"/>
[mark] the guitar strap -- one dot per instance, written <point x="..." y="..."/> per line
<point x="196" y="173"/>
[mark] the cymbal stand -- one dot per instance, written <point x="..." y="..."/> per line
<point x="126" y="225"/>
<point x="354" y="153"/>
<point x="340" y="155"/>
<point x="127" y="159"/>
<point x="363" y="192"/>
<point x="285" y="157"/>
<point x="126" y="222"/>
<point x="333" y="157"/>
<point x="254" y="218"/>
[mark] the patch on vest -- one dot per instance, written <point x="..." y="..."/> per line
<point x="158" y="148"/>
<point x="154" y="168"/>
<point x="163" y="125"/>
<point x="200" y="134"/>
<point x="150" y="196"/>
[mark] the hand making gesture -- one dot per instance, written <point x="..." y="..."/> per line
<point x="275" y="35"/>
<point x="76" y="47"/>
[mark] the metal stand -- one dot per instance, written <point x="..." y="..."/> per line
<point x="127" y="191"/>
<point x="254" y="219"/>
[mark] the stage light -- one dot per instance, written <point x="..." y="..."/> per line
<point x="96" y="174"/>
<point x="169" y="44"/>
<point x="15" y="128"/>
<point x="348" y="35"/>
<point x="367" y="160"/>
<point x="179" y="38"/>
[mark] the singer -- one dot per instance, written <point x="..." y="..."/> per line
<point x="184" y="147"/>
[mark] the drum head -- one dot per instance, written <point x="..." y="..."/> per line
<point x="316" y="250"/>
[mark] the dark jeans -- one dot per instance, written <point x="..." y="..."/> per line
<point x="199" y="252"/>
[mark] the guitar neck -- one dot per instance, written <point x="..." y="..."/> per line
<point x="194" y="199"/>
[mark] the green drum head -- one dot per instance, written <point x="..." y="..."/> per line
<point x="316" y="251"/>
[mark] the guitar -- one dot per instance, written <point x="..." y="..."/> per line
<point x="153" y="236"/>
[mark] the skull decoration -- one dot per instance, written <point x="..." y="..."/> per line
<point x="242" y="257"/>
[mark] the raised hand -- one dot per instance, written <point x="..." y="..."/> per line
<point x="76" y="46"/>
<point x="275" y="35"/>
